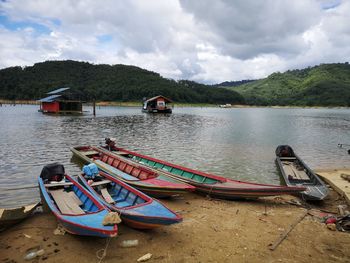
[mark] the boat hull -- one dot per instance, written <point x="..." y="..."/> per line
<point x="155" y="186"/>
<point x="147" y="214"/>
<point x="12" y="216"/>
<point x="208" y="184"/>
<point x="295" y="172"/>
<point x="89" y="224"/>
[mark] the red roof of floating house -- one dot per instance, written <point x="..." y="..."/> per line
<point x="158" y="97"/>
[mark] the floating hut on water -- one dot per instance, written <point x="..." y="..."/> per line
<point x="158" y="104"/>
<point x="61" y="100"/>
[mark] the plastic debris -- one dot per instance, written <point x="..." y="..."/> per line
<point x="27" y="236"/>
<point x="33" y="253"/>
<point x="331" y="220"/>
<point x="129" y="243"/>
<point x="145" y="257"/>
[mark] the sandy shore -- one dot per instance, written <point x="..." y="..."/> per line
<point x="212" y="231"/>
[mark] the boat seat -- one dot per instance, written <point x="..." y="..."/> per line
<point x="116" y="171"/>
<point x="100" y="182"/>
<point x="75" y="198"/>
<point x="107" y="196"/>
<point x="53" y="184"/>
<point x="91" y="152"/>
<point x="293" y="173"/>
<point x="65" y="203"/>
<point x="120" y="152"/>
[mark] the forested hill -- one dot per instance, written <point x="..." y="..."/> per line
<point x="105" y="82"/>
<point x="323" y="85"/>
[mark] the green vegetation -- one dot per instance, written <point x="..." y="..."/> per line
<point x="105" y="83"/>
<point x="324" y="85"/>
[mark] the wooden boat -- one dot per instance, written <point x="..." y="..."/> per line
<point x="11" y="216"/>
<point x="136" y="209"/>
<point x="142" y="178"/>
<point x="296" y="173"/>
<point x="206" y="183"/>
<point x="78" y="211"/>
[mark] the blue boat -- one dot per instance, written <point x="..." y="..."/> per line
<point x="78" y="211"/>
<point x="137" y="209"/>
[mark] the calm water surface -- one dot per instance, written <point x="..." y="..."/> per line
<point x="235" y="143"/>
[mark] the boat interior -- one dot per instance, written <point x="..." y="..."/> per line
<point x="295" y="171"/>
<point x="126" y="170"/>
<point x="69" y="199"/>
<point x="116" y="194"/>
<point x="188" y="175"/>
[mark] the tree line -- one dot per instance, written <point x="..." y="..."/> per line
<point x="105" y="83"/>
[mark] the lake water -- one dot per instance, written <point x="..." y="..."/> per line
<point x="238" y="143"/>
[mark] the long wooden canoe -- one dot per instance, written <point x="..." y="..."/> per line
<point x="296" y="173"/>
<point x="206" y="183"/>
<point x="142" y="178"/>
<point x="78" y="211"/>
<point x="136" y="208"/>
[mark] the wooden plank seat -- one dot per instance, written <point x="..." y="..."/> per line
<point x="66" y="203"/>
<point x="53" y="184"/>
<point x="107" y="196"/>
<point x="92" y="152"/>
<point x="75" y="198"/>
<point x="101" y="182"/>
<point x="293" y="173"/>
<point x="120" y="153"/>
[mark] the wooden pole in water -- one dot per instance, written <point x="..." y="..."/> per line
<point x="94" y="107"/>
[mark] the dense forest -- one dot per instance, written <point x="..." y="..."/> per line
<point x="323" y="85"/>
<point x="234" y="83"/>
<point x="105" y="83"/>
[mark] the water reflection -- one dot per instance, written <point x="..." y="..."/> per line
<point x="236" y="143"/>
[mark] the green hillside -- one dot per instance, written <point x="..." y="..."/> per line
<point x="323" y="85"/>
<point x="105" y="83"/>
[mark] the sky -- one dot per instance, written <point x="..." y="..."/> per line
<point x="208" y="41"/>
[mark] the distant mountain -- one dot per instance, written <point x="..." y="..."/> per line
<point x="234" y="83"/>
<point x="105" y="83"/>
<point x="323" y="85"/>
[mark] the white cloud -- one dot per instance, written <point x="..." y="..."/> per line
<point x="207" y="41"/>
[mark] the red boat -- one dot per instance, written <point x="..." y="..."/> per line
<point x="213" y="185"/>
<point x="144" y="179"/>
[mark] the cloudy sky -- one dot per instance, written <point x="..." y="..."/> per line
<point x="203" y="40"/>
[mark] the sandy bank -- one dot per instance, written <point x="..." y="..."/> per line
<point x="212" y="231"/>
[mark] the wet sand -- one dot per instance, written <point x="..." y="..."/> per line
<point x="212" y="231"/>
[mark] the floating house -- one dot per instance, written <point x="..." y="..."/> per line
<point x="61" y="100"/>
<point x="158" y="104"/>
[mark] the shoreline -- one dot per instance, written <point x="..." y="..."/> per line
<point x="212" y="231"/>
<point x="180" y="105"/>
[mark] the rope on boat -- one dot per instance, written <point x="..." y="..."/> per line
<point x="103" y="250"/>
